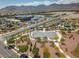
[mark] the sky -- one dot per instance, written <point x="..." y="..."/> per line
<point x="4" y="3"/>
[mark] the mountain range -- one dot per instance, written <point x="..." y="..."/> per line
<point x="39" y="8"/>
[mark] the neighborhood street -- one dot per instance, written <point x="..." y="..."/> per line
<point x="6" y="53"/>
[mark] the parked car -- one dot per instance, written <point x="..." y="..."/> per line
<point x="10" y="47"/>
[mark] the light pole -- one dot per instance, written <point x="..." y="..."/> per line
<point x="5" y="42"/>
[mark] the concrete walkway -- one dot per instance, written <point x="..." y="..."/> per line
<point x="57" y="45"/>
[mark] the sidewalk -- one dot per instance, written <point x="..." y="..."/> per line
<point x="57" y="44"/>
<point x="16" y="52"/>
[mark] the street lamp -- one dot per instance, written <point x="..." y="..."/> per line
<point x="5" y="42"/>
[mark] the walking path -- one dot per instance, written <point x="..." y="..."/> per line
<point x="57" y="45"/>
<point x="56" y="42"/>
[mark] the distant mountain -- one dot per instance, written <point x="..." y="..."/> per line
<point x="40" y="8"/>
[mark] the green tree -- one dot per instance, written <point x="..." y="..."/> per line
<point x="35" y="50"/>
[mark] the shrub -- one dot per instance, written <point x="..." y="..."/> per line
<point x="10" y="41"/>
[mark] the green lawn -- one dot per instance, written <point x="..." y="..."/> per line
<point x="23" y="48"/>
<point x="46" y="53"/>
<point x="76" y="51"/>
<point x="56" y="37"/>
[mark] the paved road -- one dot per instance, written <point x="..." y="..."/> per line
<point x="7" y="53"/>
<point x="23" y="29"/>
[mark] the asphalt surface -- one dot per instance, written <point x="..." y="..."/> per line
<point x="6" y="53"/>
